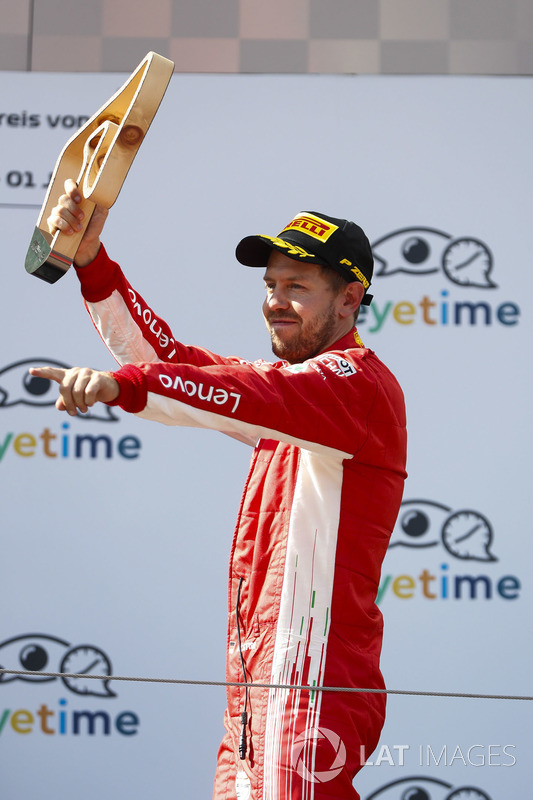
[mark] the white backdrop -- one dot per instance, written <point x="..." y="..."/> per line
<point x="119" y="555"/>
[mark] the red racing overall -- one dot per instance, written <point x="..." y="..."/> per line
<point x="320" y="502"/>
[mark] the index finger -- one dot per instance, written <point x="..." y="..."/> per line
<point x="71" y="188"/>
<point x="54" y="373"/>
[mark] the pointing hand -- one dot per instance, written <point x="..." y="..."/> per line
<point x="79" y="387"/>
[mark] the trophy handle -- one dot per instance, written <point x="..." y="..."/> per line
<point x="100" y="154"/>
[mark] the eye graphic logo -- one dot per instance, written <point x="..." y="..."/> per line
<point x="318" y="746"/>
<point x="38" y="652"/>
<point x="466" y="534"/>
<point x="17" y="386"/>
<point x="466" y="261"/>
<point x="418" y="788"/>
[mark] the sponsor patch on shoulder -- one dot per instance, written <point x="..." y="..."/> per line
<point x="337" y="364"/>
<point x="296" y="367"/>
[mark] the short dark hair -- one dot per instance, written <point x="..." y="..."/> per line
<point x="337" y="284"/>
<point x="336" y="281"/>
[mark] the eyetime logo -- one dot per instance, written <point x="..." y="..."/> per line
<point x="18" y="387"/>
<point x="464" y="263"/>
<point x="420" y="788"/>
<point x="465" y="535"/>
<point x="40" y="653"/>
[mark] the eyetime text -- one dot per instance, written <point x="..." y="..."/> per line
<point x="66" y="444"/>
<point x="441" y="312"/>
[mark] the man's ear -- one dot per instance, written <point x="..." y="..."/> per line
<point x="352" y="295"/>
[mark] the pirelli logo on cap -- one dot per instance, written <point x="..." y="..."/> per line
<point x="313" y="226"/>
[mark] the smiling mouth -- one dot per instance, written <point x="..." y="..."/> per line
<point x="282" y="321"/>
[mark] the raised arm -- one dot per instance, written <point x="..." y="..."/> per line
<point x="128" y="326"/>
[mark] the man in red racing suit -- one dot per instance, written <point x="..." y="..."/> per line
<point x="317" y="511"/>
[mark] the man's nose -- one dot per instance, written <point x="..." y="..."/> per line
<point x="277" y="299"/>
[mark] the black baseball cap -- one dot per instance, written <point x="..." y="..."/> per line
<point x="316" y="239"/>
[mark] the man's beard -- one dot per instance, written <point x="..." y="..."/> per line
<point x="308" y="341"/>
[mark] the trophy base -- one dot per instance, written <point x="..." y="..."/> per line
<point x="42" y="261"/>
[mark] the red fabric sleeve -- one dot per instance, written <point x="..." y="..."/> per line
<point x="99" y="278"/>
<point x="133" y="392"/>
